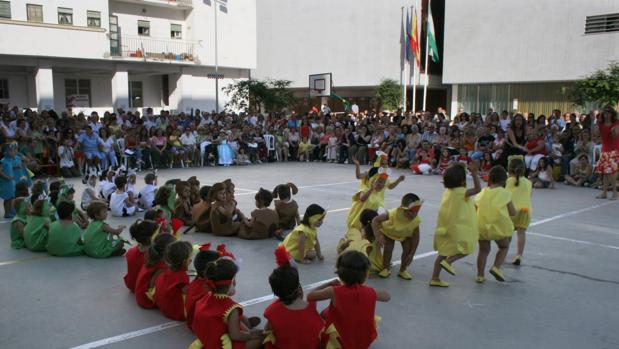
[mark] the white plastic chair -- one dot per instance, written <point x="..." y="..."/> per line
<point x="120" y="142"/>
<point x="270" y="143"/>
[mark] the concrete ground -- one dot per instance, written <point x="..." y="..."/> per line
<point x="563" y="296"/>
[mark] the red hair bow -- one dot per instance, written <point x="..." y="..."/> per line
<point x="205" y="247"/>
<point x="282" y="257"/>
<point x="221" y="250"/>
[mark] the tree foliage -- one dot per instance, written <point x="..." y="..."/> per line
<point x="601" y="88"/>
<point x="390" y="94"/>
<point x="255" y="95"/>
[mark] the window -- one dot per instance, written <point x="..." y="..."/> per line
<point x="4" y="89"/>
<point x="65" y="16"/>
<point x="144" y="28"/>
<point x="93" y="19"/>
<point x="176" y="31"/>
<point x="34" y="13"/>
<point x="135" y="94"/>
<point x="5" y="9"/>
<point x="602" y="23"/>
<point x="77" y="87"/>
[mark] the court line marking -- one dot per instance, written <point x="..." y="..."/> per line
<point x="16" y="261"/>
<point x="583" y="242"/>
<point x="266" y="298"/>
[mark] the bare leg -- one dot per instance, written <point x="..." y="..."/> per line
<point x="612" y="181"/>
<point x="604" y="187"/>
<point x="436" y="272"/>
<point x="503" y="245"/>
<point x="387" y="252"/>
<point x="482" y="256"/>
<point x="254" y="343"/>
<point x="522" y="238"/>
<point x="409" y="246"/>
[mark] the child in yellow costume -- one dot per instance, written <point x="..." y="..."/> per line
<point x="494" y="209"/>
<point x="382" y="161"/>
<point x="363" y="241"/>
<point x="399" y="224"/>
<point x="456" y="231"/>
<point x="520" y="187"/>
<point x="302" y="242"/>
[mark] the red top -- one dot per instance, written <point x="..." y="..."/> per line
<point x="210" y="321"/>
<point x="305" y="131"/>
<point x="142" y="283"/>
<point x="608" y="143"/>
<point x="195" y="291"/>
<point x="532" y="144"/>
<point x="353" y="315"/>
<point x="169" y="293"/>
<point x="135" y="261"/>
<point x="294" y="329"/>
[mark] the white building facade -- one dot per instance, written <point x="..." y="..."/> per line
<point x="101" y="54"/>
<point x="518" y="55"/>
<point x="358" y="41"/>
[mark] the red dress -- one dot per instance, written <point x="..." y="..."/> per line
<point x="135" y="261"/>
<point x="293" y="329"/>
<point x="609" y="158"/>
<point x="143" y="282"/>
<point x="351" y="320"/>
<point x="210" y="322"/>
<point x="169" y="295"/>
<point x="195" y="291"/>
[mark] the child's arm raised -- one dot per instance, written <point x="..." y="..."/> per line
<point x="107" y="229"/>
<point x="476" y="185"/>
<point x="358" y="173"/>
<point x="395" y="184"/>
<point x="378" y="235"/>
<point x="234" y="329"/>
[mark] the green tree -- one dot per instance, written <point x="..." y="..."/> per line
<point x="600" y="89"/>
<point x="390" y="93"/>
<point x="253" y="95"/>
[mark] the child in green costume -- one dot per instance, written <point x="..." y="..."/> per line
<point x="37" y="226"/>
<point x="18" y="225"/>
<point x="101" y="240"/>
<point x="65" y="236"/>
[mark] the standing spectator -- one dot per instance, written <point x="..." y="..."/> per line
<point x="515" y="141"/>
<point x="608" y="166"/>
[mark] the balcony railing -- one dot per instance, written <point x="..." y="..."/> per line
<point x="180" y="4"/>
<point x="153" y="49"/>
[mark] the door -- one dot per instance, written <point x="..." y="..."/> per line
<point x="114" y="36"/>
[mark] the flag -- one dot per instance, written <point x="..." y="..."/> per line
<point x="408" y="37"/>
<point x="414" y="38"/>
<point x="432" y="36"/>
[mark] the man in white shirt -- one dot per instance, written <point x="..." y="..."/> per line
<point x="189" y="142"/>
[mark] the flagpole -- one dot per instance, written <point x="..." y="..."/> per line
<point x="404" y="60"/>
<point x="415" y="69"/>
<point x="426" y="79"/>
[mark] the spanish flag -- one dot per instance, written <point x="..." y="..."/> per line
<point x="414" y="37"/>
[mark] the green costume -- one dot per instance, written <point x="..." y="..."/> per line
<point x="64" y="239"/>
<point x="37" y="230"/>
<point x="17" y="241"/>
<point x="97" y="243"/>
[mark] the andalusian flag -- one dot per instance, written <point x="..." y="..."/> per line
<point x="414" y="38"/>
<point x="432" y="36"/>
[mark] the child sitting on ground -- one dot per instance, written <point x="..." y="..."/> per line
<point x="164" y="200"/>
<point x="142" y="232"/>
<point x="182" y="205"/>
<point x="37" y="226"/>
<point x="147" y="193"/>
<point x="121" y="204"/>
<point x="264" y="220"/>
<point x="89" y="194"/>
<point x="302" y="242"/>
<point x="153" y="266"/>
<point x="350" y="319"/>
<point x="218" y="318"/>
<point x="225" y="218"/>
<point x="66" y="194"/>
<point x="101" y="240"/>
<point x="583" y="176"/>
<point x="286" y="207"/>
<point x="65" y="236"/>
<point x="292" y="322"/>
<point x="171" y="285"/>
<point x="201" y="212"/>
<point x="542" y="177"/>
<point x="107" y="186"/>
<point x="198" y="286"/>
<point x="18" y="224"/>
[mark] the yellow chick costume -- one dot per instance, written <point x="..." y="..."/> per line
<point x="521" y="198"/>
<point x="291" y="242"/>
<point x="492" y="214"/>
<point x="398" y="227"/>
<point x="456" y="227"/>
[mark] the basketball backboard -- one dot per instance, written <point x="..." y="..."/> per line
<point x="320" y="85"/>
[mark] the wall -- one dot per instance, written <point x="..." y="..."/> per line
<point x="100" y="91"/>
<point x="159" y="18"/>
<point x="18" y="88"/>
<point x="526" y="40"/>
<point x="357" y="40"/>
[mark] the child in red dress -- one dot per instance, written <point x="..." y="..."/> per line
<point x="171" y="285"/>
<point x="217" y="320"/>
<point x="142" y="232"/>
<point x="292" y="322"/>
<point x="350" y="321"/>
<point x="153" y="266"/>
<point x="198" y="288"/>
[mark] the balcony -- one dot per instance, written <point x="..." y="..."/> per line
<point x="174" y="4"/>
<point x="155" y="50"/>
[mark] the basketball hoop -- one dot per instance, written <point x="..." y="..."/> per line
<point x="320" y="85"/>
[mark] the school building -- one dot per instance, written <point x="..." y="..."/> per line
<point x="129" y="54"/>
